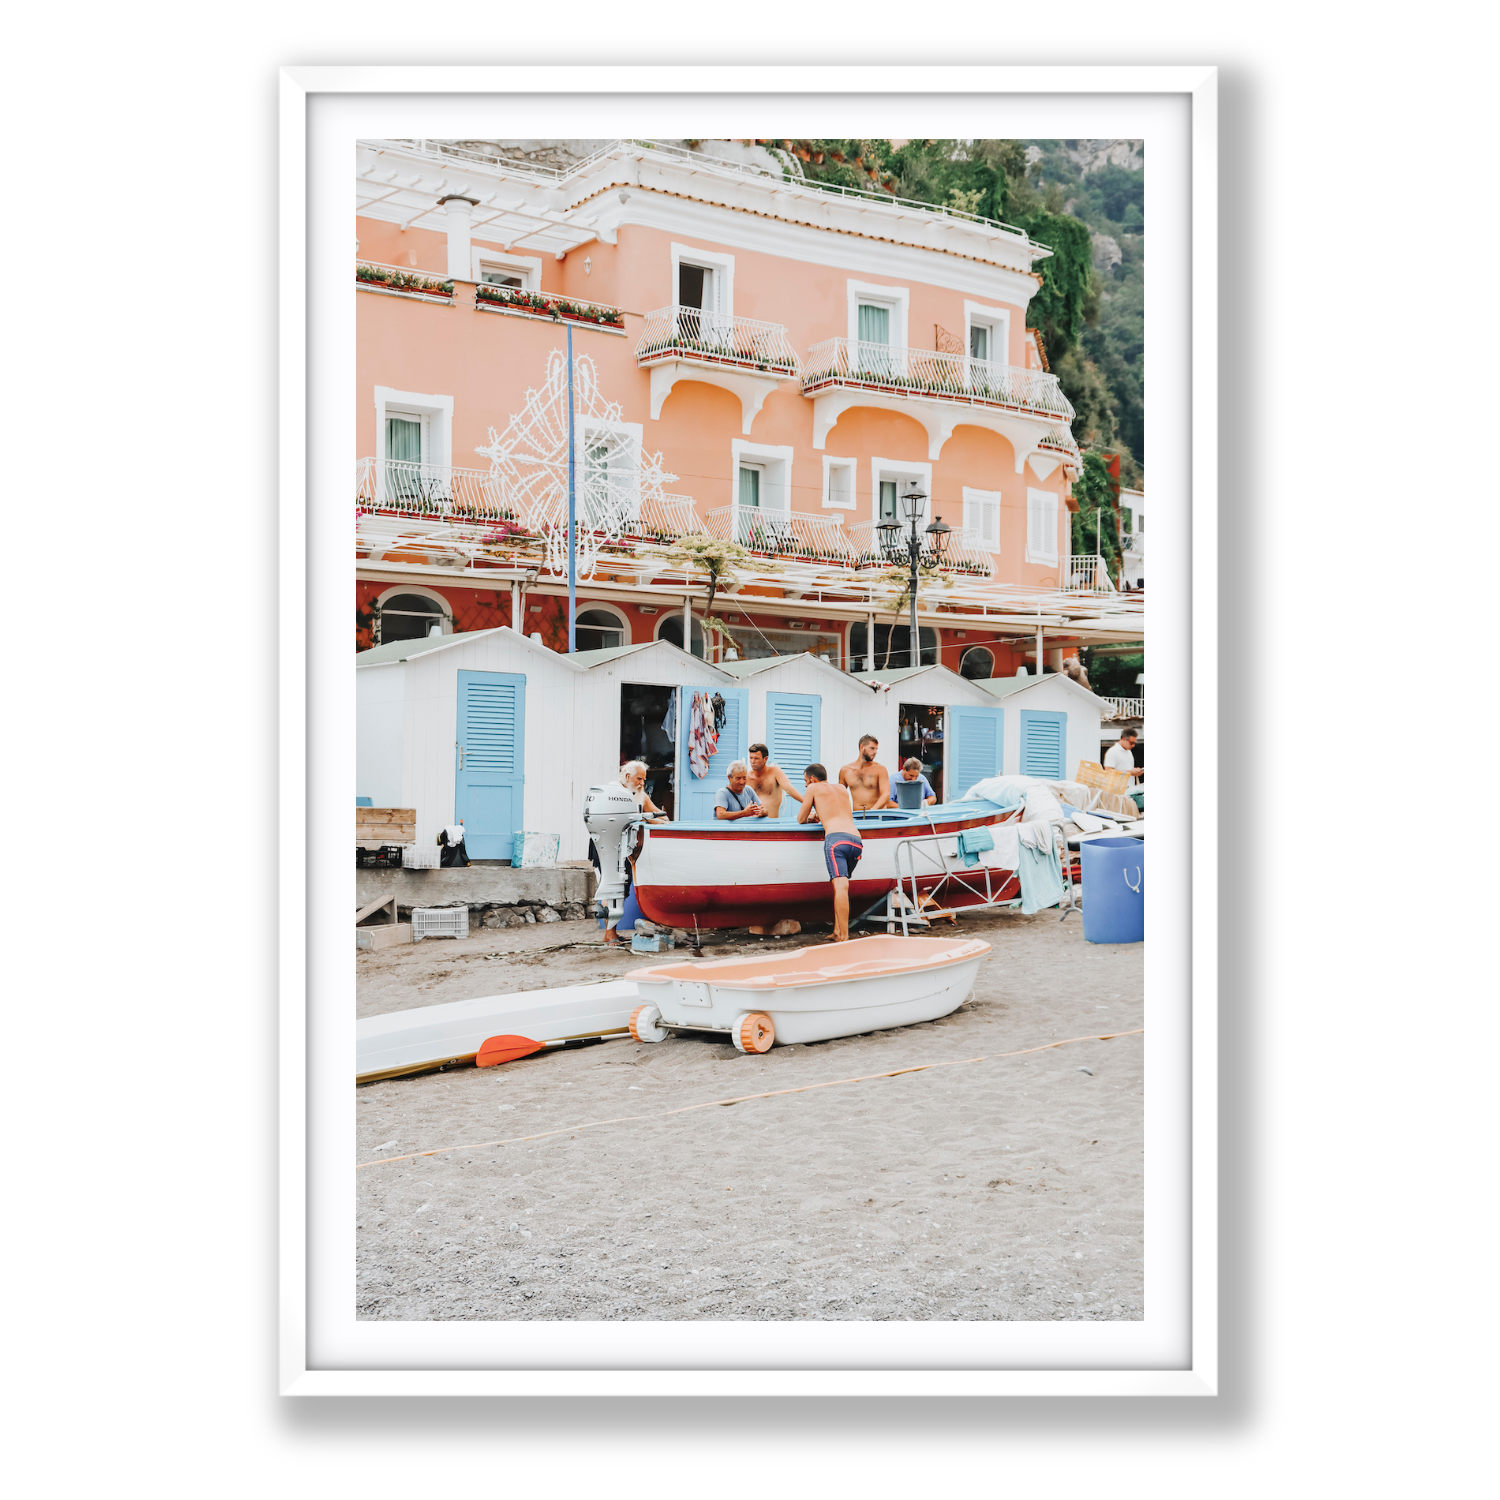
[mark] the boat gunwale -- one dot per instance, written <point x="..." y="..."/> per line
<point x="771" y="984"/>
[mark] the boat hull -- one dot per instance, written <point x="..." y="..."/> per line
<point x="819" y="1003"/>
<point x="699" y="875"/>
<point x="411" y="1041"/>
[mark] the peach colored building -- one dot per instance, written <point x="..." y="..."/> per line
<point x="753" y="358"/>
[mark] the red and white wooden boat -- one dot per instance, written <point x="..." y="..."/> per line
<point x="753" y="872"/>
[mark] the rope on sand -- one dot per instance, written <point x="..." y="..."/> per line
<point x="953" y="1062"/>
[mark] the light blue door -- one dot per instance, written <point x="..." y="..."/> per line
<point x="1044" y="743"/>
<point x="975" y="750"/>
<point x="794" y="724"/>
<point x="491" y="761"/>
<point x="695" y="796"/>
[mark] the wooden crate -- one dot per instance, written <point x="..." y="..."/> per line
<point x="1091" y="773"/>
<point x="374" y="826"/>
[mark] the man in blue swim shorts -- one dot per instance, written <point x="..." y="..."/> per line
<point x="842" y="846"/>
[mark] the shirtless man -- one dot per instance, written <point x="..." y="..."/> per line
<point x="842" y="845"/>
<point x="868" y="781"/>
<point x="769" y="781"/>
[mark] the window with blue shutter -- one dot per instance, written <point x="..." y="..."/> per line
<point x="793" y="736"/>
<point x="490" y="776"/>
<point x="1044" y="743"/>
<point x="975" y="748"/>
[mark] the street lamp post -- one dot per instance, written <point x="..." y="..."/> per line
<point x="894" y="545"/>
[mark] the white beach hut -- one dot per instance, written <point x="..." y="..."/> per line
<point x="803" y="709"/>
<point x="495" y="731"/>
<point x="1050" y="724"/>
<point x="948" y="722"/>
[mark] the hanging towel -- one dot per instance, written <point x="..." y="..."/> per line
<point x="973" y="842"/>
<point x="1041" y="880"/>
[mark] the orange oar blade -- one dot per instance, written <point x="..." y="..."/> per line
<point x="504" y="1049"/>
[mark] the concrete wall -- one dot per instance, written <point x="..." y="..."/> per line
<point x="479" y="885"/>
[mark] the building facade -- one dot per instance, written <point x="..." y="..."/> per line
<point x="752" y="358"/>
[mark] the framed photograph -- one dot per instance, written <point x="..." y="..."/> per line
<point x="754" y="989"/>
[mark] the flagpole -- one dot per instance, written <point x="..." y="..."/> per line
<point x="572" y="511"/>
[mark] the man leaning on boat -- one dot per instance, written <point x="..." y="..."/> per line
<point x="833" y="807"/>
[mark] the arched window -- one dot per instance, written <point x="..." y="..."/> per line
<point x="410" y="617"/>
<point x="977" y="662"/>
<point x="597" y="627"/>
<point x="670" y="629"/>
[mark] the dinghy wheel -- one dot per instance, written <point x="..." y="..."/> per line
<point x="645" y="1024"/>
<point x="754" y="1032"/>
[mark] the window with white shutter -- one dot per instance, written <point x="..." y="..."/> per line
<point x="982" y="517"/>
<point x="1041" y="526"/>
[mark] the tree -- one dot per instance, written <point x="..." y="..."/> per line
<point x="717" y="559"/>
<point x="1095" y="527"/>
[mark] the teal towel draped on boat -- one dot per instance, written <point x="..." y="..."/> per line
<point x="973" y="842"/>
<point x="1041" y="880"/>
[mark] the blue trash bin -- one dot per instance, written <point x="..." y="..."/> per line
<point x="1114" y="890"/>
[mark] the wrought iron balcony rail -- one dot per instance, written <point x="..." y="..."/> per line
<point x="416" y="489"/>
<point x="1088" y="573"/>
<point x="1124" y="708"/>
<point x="782" y="533"/>
<point x="707" y="337"/>
<point x="934" y="375"/>
<point x="668" y="517"/>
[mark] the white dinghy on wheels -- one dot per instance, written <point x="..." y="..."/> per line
<point x="810" y="995"/>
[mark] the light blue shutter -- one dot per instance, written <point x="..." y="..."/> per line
<point x="793" y="735"/>
<point x="695" y="797"/>
<point x="491" y="755"/>
<point x="975" y="748"/>
<point x="1044" y="743"/>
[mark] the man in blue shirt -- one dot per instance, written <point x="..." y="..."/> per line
<point x="737" y="800"/>
<point x="911" y="770"/>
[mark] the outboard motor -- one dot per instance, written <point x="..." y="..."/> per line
<point x="610" y="815"/>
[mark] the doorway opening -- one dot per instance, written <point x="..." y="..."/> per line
<point x="922" y="736"/>
<point x="643" y="736"/>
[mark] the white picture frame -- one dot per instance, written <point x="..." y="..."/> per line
<point x="324" y="1352"/>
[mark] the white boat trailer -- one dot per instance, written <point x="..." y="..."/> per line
<point x="926" y="856"/>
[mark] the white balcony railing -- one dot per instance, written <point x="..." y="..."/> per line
<point x="431" y="490"/>
<point x="933" y="375"/>
<point x="492" y="298"/>
<point x="965" y="551"/>
<point x="693" y="333"/>
<point x="666" y="517"/>
<point x="1124" y="708"/>
<point x="1088" y="573"/>
<point x="782" y="533"/>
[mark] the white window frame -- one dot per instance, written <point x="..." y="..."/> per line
<point x="829" y="465"/>
<point x="396" y="590"/>
<point x="587" y="433"/>
<point x="973" y="499"/>
<point x="585" y="605"/>
<point x="527" y="267"/>
<point x="436" y="413"/>
<point x="900" y="470"/>
<point x="997" y="320"/>
<point x="776" y="476"/>
<point x="711" y="260"/>
<point x="897" y="298"/>
<point x="1032" y="554"/>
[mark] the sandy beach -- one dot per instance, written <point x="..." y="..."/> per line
<point x="1009" y="1188"/>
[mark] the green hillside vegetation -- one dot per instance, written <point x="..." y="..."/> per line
<point x="1091" y="319"/>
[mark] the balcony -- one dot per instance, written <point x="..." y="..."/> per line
<point x="743" y="356"/>
<point x="437" y="490"/>
<point x="664" y="518"/>
<point x="401" y="281"/>
<point x="941" y="391"/>
<point x="1088" y="573"/>
<point x="1124" y="708"/>
<point x="965" y="552"/>
<point x="782" y="534"/>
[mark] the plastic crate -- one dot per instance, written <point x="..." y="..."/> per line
<point x="421" y="856"/>
<point x="387" y="857"/>
<point x="439" y="921"/>
<point x="530" y="849"/>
